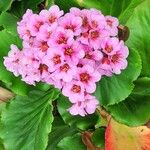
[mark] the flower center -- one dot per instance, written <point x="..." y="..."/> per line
<point x="108" y="48"/>
<point x="85" y="22"/>
<point x="38" y="25"/>
<point x="68" y="51"/>
<point x="84" y="77"/>
<point x="94" y="35"/>
<point x="52" y="19"/>
<point x="94" y="24"/>
<point x="105" y="61"/>
<point x="76" y="89"/>
<point x="56" y="59"/>
<point x="44" y="46"/>
<point x="43" y="68"/>
<point x="88" y="55"/>
<point x="85" y="34"/>
<point x="62" y="40"/>
<point x="109" y="22"/>
<point x="115" y="58"/>
<point x="65" y="68"/>
<point x="71" y="27"/>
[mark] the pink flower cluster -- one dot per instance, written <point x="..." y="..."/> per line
<point x="71" y="51"/>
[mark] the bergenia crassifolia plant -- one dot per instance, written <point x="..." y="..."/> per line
<point x="75" y="75"/>
<point x="70" y="51"/>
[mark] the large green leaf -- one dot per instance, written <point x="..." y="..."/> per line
<point x="27" y="121"/>
<point x="71" y="143"/>
<point x="77" y="121"/>
<point x="59" y="131"/>
<point x="111" y="90"/>
<point x="9" y="22"/>
<point x="5" y="4"/>
<point x="135" y="110"/>
<point x="139" y="34"/>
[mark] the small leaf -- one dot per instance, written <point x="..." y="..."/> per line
<point x="27" y="121"/>
<point x="82" y="123"/>
<point x="111" y="90"/>
<point x="98" y="137"/>
<point x="71" y="143"/>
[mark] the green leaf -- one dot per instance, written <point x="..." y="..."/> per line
<point x="82" y="123"/>
<point x="5" y="4"/>
<point x="142" y="86"/>
<point x="128" y="7"/>
<point x="102" y="5"/>
<point x="98" y="138"/>
<point x="66" y="4"/>
<point x="27" y="121"/>
<point x="18" y="8"/>
<point x="49" y="3"/>
<point x="71" y="143"/>
<point x="9" y="22"/>
<point x="111" y="90"/>
<point x="134" y="111"/>
<point x="139" y="34"/>
<point x="59" y="131"/>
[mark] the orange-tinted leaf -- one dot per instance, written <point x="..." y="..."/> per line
<point x="122" y="137"/>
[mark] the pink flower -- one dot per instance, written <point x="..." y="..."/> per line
<point x="12" y="61"/>
<point x="54" y="59"/>
<point x="77" y="109"/>
<point x="53" y="81"/>
<point x="65" y="72"/>
<point x="23" y="30"/>
<point x="61" y="37"/>
<point x="97" y="21"/>
<point x="91" y="104"/>
<point x="88" y="76"/>
<point x="104" y="67"/>
<point x="118" y="60"/>
<point x="31" y="76"/>
<point x="46" y="31"/>
<point x="110" y="45"/>
<point x="95" y="38"/>
<point x="71" y="22"/>
<point x="75" y="11"/>
<point x="112" y="25"/>
<point x="73" y="52"/>
<point x="41" y="46"/>
<point x="88" y="106"/>
<point x="35" y="23"/>
<point x="52" y="14"/>
<point x="95" y="55"/>
<point x="74" y="90"/>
